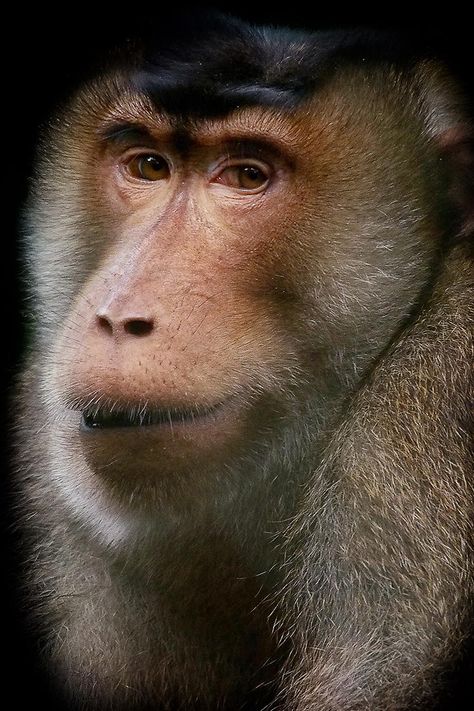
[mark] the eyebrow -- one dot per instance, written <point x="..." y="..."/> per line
<point x="124" y="131"/>
<point x="239" y="141"/>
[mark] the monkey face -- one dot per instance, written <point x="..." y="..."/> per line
<point x="201" y="316"/>
<point x="246" y="418"/>
<point x="182" y="341"/>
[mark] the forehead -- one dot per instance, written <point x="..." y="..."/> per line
<point x="224" y="64"/>
<point x="226" y="74"/>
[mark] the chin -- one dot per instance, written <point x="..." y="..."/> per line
<point x="173" y="460"/>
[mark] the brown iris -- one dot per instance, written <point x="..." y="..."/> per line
<point x="243" y="177"/>
<point x="148" y="167"/>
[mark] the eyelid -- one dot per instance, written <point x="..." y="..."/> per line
<point x="229" y="161"/>
<point x="241" y="162"/>
<point x="141" y="150"/>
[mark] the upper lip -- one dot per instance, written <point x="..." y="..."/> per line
<point x="103" y="417"/>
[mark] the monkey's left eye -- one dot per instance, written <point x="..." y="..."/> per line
<point x="247" y="177"/>
<point x="148" y="166"/>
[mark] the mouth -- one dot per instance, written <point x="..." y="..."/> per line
<point x="113" y="418"/>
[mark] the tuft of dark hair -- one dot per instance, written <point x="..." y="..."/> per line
<point x="210" y="64"/>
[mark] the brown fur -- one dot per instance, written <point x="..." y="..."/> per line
<point x="317" y="543"/>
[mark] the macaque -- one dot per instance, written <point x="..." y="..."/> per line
<point x="244" y="442"/>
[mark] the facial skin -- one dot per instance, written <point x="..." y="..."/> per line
<point x="171" y="333"/>
<point x="214" y="294"/>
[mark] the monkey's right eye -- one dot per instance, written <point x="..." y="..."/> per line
<point x="148" y="166"/>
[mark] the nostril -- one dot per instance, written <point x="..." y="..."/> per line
<point x="138" y="327"/>
<point x="104" y="324"/>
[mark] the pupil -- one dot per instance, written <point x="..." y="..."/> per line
<point x="252" y="174"/>
<point x="153" y="163"/>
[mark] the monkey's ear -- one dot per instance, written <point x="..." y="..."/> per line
<point x="449" y="125"/>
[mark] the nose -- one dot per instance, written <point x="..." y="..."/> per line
<point x="124" y="326"/>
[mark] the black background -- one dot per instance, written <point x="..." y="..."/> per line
<point x="46" y="57"/>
